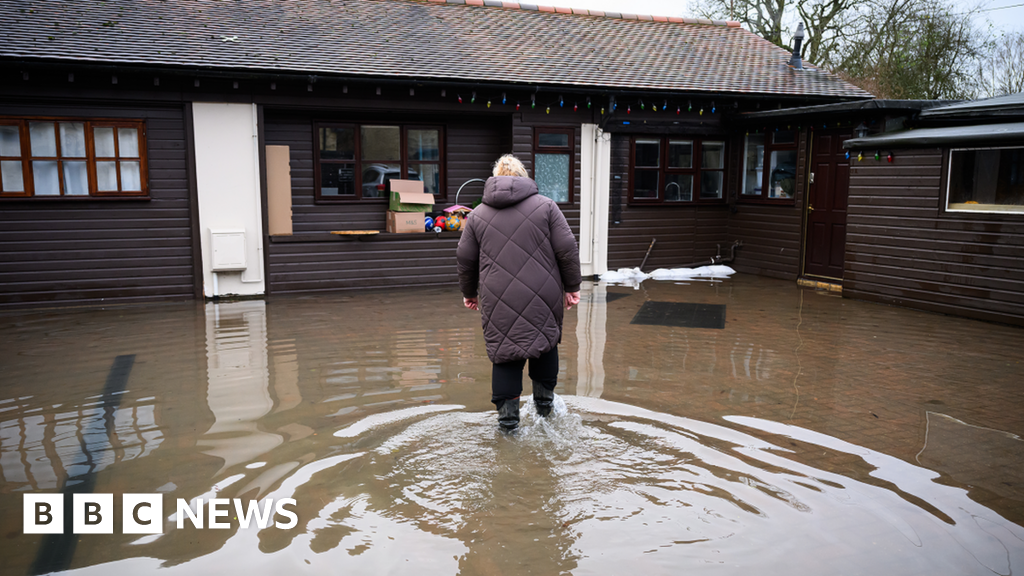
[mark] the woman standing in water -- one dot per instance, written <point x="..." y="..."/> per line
<point x="519" y="265"/>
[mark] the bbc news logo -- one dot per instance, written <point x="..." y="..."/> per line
<point x="143" y="513"/>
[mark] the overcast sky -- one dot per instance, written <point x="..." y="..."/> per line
<point x="1002" y="14"/>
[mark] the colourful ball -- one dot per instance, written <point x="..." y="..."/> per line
<point x="453" y="223"/>
<point x="439" y="222"/>
<point x="428" y="223"/>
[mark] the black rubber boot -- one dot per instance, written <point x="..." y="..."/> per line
<point x="508" y="414"/>
<point x="543" y="398"/>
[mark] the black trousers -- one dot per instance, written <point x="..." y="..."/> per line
<point x="507" y="377"/>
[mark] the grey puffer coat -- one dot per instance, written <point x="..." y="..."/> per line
<point x="518" y="255"/>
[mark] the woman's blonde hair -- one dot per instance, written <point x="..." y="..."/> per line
<point x="509" y="165"/>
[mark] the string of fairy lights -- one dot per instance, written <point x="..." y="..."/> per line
<point x="587" y="103"/>
<point x="615" y="105"/>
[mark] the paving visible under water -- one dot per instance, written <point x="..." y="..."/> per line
<point x="810" y="435"/>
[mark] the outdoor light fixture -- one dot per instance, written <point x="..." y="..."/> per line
<point x="860" y="131"/>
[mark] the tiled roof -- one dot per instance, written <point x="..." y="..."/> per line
<point x="455" y="40"/>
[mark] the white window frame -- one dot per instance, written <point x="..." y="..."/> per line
<point x="989" y="208"/>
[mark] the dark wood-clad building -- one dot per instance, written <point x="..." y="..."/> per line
<point x="936" y="222"/>
<point x="189" y="149"/>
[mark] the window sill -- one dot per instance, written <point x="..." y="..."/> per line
<point x="325" y="237"/>
<point x="639" y="203"/>
<point x="956" y="208"/>
<point x="110" y="198"/>
<point x="767" y="202"/>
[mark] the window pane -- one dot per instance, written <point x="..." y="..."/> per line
<point x="337" y="179"/>
<point x="551" y="172"/>
<point x="424" y="144"/>
<point x="10" y="142"/>
<point x="680" y="154"/>
<point x="338" y="143"/>
<point x="712" y="155"/>
<point x="376" y="176"/>
<point x="76" y="179"/>
<point x="44" y="174"/>
<point x="128" y="142"/>
<point x="430" y="174"/>
<point x="648" y="153"/>
<point x="130" y="180"/>
<point x="12" y="178"/>
<point x="646" y="185"/>
<point x="43" y="141"/>
<point x="988" y="180"/>
<point x="784" y="137"/>
<point x="710" y="185"/>
<point x="103" y="139"/>
<point x="782" y="178"/>
<point x="72" y="139"/>
<point x="753" y="165"/>
<point x="106" y="176"/>
<point x="381" y="143"/>
<point x="549" y="139"/>
<point x="679" y="188"/>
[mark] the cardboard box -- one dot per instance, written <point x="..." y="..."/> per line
<point x="408" y="196"/>
<point x="406" y="222"/>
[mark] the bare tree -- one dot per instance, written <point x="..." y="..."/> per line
<point x="828" y="22"/>
<point x="916" y="49"/>
<point x="1002" y="69"/>
<point x="892" y="48"/>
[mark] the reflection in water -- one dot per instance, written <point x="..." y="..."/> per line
<point x="592" y="316"/>
<point x="37" y="452"/>
<point x="238" y="394"/>
<point x="601" y="485"/>
<point x="371" y="411"/>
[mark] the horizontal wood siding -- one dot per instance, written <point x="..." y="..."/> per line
<point x="471" y="148"/>
<point x="685" y="234"/>
<point x="902" y="248"/>
<point x="373" y="263"/>
<point x="67" y="252"/>
<point x="771" y="234"/>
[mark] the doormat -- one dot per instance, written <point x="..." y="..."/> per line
<point x="681" y="314"/>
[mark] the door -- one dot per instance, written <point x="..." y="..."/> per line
<point x="825" y="240"/>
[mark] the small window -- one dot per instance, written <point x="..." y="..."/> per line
<point x="355" y="162"/>
<point x="769" y="166"/>
<point x="674" y="170"/>
<point x="986" y="180"/>
<point x="553" y="162"/>
<point x="72" y="158"/>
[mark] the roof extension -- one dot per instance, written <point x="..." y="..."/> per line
<point x="946" y="136"/>
<point x="453" y="40"/>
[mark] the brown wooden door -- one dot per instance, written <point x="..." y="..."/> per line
<point x="825" y="242"/>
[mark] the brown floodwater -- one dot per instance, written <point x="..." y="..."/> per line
<point x="802" y="434"/>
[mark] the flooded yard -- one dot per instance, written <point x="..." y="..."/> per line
<point x="734" y="426"/>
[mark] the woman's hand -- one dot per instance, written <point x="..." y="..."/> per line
<point x="571" y="299"/>
<point x="473" y="304"/>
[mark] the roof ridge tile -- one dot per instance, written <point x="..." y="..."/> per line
<point x="587" y="12"/>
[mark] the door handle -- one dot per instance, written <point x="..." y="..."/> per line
<point x="810" y="208"/>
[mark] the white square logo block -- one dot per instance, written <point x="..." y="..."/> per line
<point x="43" y="513"/>
<point x="93" y="514"/>
<point x="142" y="514"/>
